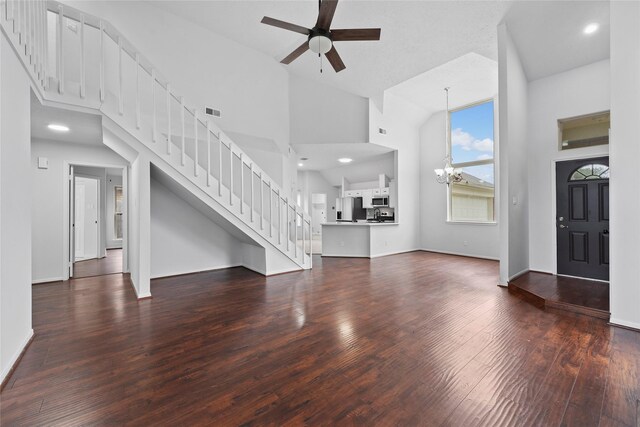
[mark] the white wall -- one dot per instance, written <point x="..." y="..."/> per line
<point x="402" y="120"/>
<point x="15" y="209"/>
<point x="480" y="240"/>
<point x="625" y="152"/>
<point x="576" y="92"/>
<point x="183" y="240"/>
<point x="512" y="175"/>
<point x="334" y="116"/>
<point x="113" y="181"/>
<point x="49" y="190"/>
<point x="251" y="88"/>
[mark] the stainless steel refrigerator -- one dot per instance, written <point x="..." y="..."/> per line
<point x="350" y="209"/>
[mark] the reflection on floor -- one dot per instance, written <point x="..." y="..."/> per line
<point x="588" y="297"/>
<point x="110" y="264"/>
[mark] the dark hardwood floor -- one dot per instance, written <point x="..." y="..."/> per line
<point x="588" y="297"/>
<point x="411" y="339"/>
<point x="110" y="264"/>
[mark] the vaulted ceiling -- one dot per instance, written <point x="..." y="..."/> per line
<point x="417" y="36"/>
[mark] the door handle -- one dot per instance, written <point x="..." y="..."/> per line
<point x="564" y="226"/>
<point x="605" y="232"/>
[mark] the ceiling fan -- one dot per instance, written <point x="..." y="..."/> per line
<point x="321" y="37"/>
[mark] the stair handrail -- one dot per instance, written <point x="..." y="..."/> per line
<point x="30" y="22"/>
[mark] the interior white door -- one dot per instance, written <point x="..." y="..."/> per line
<point x="79" y="220"/>
<point x="71" y="256"/>
<point x="86" y="218"/>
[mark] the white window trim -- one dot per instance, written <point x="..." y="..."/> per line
<point x="491" y="161"/>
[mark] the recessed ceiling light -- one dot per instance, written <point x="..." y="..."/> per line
<point x="58" y="128"/>
<point x="591" y="28"/>
<point x="300" y="164"/>
<point x="345" y="160"/>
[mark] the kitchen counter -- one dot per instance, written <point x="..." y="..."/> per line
<point x="357" y="239"/>
<point x="360" y="223"/>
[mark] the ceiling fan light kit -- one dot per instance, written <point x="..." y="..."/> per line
<point x="321" y="37"/>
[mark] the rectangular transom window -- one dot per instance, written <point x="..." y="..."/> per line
<point x="472" y="147"/>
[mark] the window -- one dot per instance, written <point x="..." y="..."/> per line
<point x="584" y="131"/>
<point x="592" y="171"/>
<point x="117" y="217"/>
<point x="472" y="144"/>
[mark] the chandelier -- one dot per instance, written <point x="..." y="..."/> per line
<point x="448" y="174"/>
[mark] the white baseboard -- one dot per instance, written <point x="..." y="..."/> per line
<point x="16" y="356"/>
<point x="139" y="296"/>
<point x="518" y="274"/>
<point x="460" y="254"/>
<point x="394" y="253"/>
<point x="182" y="273"/>
<point x="624" y="323"/>
<point x="51" y="279"/>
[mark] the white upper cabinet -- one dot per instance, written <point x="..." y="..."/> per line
<point x="367" y="199"/>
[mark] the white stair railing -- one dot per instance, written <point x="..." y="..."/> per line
<point x="97" y="67"/>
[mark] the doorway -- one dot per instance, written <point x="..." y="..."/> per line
<point x="97" y="221"/>
<point x="318" y="217"/>
<point x="582" y="218"/>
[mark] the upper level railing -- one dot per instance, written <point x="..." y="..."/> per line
<point x="77" y="56"/>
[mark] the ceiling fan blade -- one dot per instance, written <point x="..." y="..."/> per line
<point x="327" y="9"/>
<point x="286" y="25"/>
<point x="335" y="60"/>
<point x="296" y="53"/>
<point x="355" y="34"/>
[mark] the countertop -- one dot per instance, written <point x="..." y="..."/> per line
<point x="360" y="223"/>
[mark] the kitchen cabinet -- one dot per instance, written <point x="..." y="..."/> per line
<point x="367" y="199"/>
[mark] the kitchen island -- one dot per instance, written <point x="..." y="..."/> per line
<point x="357" y="239"/>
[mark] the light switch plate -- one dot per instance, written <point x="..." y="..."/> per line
<point x="43" y="163"/>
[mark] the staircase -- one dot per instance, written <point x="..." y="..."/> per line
<point x="94" y="68"/>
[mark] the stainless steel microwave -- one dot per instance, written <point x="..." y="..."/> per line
<point x="380" y="201"/>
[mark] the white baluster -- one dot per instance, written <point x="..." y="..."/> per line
<point x="168" y="118"/>
<point x="60" y="57"/>
<point x="82" y="59"/>
<point x="208" y="154"/>
<point x="304" y="245"/>
<point x="286" y="206"/>
<point x="279" y="217"/>
<point x="120" y="98"/>
<point x="183" y="154"/>
<point x="261" y="204"/>
<point x="219" y="164"/>
<point x="154" y="125"/>
<point x="252" y="193"/>
<point x="241" y="184"/>
<point x="137" y="90"/>
<point x="230" y="175"/>
<point x="295" y="230"/>
<point x="270" y="211"/>
<point x="195" y="143"/>
<point x="27" y="31"/>
<point x="46" y="44"/>
<point x="102" y="94"/>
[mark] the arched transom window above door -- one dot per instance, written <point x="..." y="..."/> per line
<point x="590" y="171"/>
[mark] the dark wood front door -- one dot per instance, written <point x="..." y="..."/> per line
<point x="582" y="217"/>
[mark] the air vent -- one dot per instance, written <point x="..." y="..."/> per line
<point x="212" y="112"/>
<point x="382" y="131"/>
